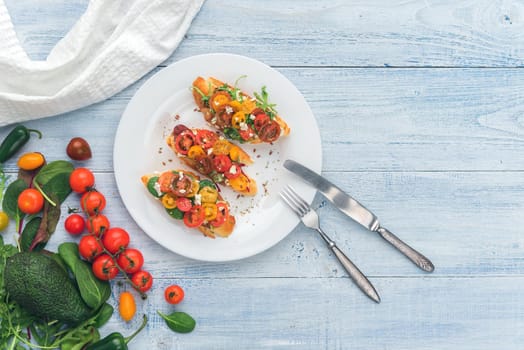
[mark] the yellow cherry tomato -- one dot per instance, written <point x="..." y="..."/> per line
<point x="219" y="99"/>
<point x="239" y="183"/>
<point x="208" y="195"/>
<point x="222" y="146"/>
<point x="236" y="105"/>
<point x="234" y="153"/>
<point x="31" y="161"/>
<point x="195" y="152"/>
<point x="4" y="220"/>
<point x="210" y="211"/>
<point x="169" y="201"/>
<point x="238" y="119"/>
<point x="127" y="306"/>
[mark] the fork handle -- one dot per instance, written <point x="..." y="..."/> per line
<point x="418" y="259"/>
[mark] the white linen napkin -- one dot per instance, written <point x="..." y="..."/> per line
<point x="112" y="45"/>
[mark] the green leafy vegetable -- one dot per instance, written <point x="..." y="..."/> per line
<point x="10" y="202"/>
<point x="54" y="178"/>
<point x="179" y="322"/>
<point x="233" y="134"/>
<point x="94" y="291"/>
<point x="68" y="251"/>
<point x="28" y="235"/>
<point x="263" y="102"/>
<point x="103" y="315"/>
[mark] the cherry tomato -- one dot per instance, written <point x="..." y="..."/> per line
<point x="174" y="294"/>
<point x="221" y="163"/>
<point x="222" y="215"/>
<point x="246" y="134"/>
<point x="78" y="149"/>
<point x="142" y="280"/>
<point x="183" y="204"/>
<point x="183" y="185"/>
<point x="92" y="202"/>
<point x="30" y="201"/>
<point x="97" y="224"/>
<point x="233" y="171"/>
<point x="261" y="119"/>
<point x="75" y="224"/>
<point x="166" y="180"/>
<point x="195" y="216"/>
<point x="177" y="130"/>
<point x="219" y="100"/>
<point x="31" y="161"/>
<point x="127" y="306"/>
<point x="4" y="220"/>
<point x="104" y="267"/>
<point x="204" y="165"/>
<point x="115" y="240"/>
<point x="269" y="132"/>
<point x="89" y="247"/>
<point x="81" y="180"/>
<point x="130" y="260"/>
<point x="206" y="138"/>
<point x="184" y="141"/>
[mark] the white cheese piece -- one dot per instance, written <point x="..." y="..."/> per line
<point x="243" y="126"/>
<point x="229" y="110"/>
<point x="198" y="199"/>
<point x="157" y="188"/>
<point x="233" y="170"/>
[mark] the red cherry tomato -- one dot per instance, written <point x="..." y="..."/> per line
<point x="75" y="224"/>
<point x="184" y="141"/>
<point x="130" y="260"/>
<point x="97" y="224"/>
<point x="92" y="202"/>
<point x="206" y="138"/>
<point x="269" y="132"/>
<point x="174" y="294"/>
<point x="104" y="267"/>
<point x="260" y="120"/>
<point x="233" y="171"/>
<point x="115" y="240"/>
<point x="30" y="201"/>
<point x="222" y="214"/>
<point x="195" y="216"/>
<point x="221" y="163"/>
<point x="78" y="149"/>
<point x="142" y="280"/>
<point x="89" y="247"/>
<point x="81" y="180"/>
<point x="183" y="204"/>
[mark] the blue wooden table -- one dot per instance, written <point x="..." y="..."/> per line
<point x="420" y="110"/>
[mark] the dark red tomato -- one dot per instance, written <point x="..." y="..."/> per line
<point x="258" y="111"/>
<point x="89" y="247"/>
<point x="174" y="294"/>
<point x="195" y="216"/>
<point x="221" y="163"/>
<point x="204" y="165"/>
<point x="177" y="130"/>
<point x="81" y="180"/>
<point x="260" y="120"/>
<point x="184" y="141"/>
<point x="183" y="185"/>
<point x="75" y="224"/>
<point x="130" y="260"/>
<point x="234" y="171"/>
<point x="142" y="280"/>
<point x="222" y="214"/>
<point x="206" y="138"/>
<point x="269" y="132"/>
<point x="92" y="202"/>
<point x="30" y="201"/>
<point x="115" y="240"/>
<point x="246" y="134"/>
<point x="183" y="204"/>
<point x="78" y="149"/>
<point x="97" y="224"/>
<point x="104" y="267"/>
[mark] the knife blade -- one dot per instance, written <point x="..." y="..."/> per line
<point x="356" y="211"/>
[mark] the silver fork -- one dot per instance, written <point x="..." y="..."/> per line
<point x="309" y="217"/>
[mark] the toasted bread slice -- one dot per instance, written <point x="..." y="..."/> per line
<point x="240" y="116"/>
<point x="195" y="202"/>
<point x="213" y="156"/>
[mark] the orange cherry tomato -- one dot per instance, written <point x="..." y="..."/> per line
<point x="89" y="247"/>
<point x="30" y="201"/>
<point x="97" y="224"/>
<point x="127" y="306"/>
<point x="174" y="294"/>
<point x="81" y="180"/>
<point x="92" y="202"/>
<point x="142" y="280"/>
<point x="104" y="267"/>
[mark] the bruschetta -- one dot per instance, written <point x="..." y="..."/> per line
<point x="238" y="115"/>
<point x="213" y="156"/>
<point x="197" y="203"/>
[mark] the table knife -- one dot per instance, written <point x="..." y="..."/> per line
<point x="352" y="208"/>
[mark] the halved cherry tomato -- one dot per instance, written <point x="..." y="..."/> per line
<point x="169" y="201"/>
<point x="206" y="138"/>
<point x="221" y="163"/>
<point x="142" y="280"/>
<point x="222" y="146"/>
<point x="97" y="224"/>
<point x="195" y="152"/>
<point x="194" y="217"/>
<point x="104" y="267"/>
<point x="210" y="211"/>
<point x="183" y="204"/>
<point x="177" y="130"/>
<point x="222" y="214"/>
<point x="269" y="132"/>
<point x="257" y="111"/>
<point x="30" y="201"/>
<point x="81" y="180"/>
<point x="204" y="165"/>
<point x="247" y="133"/>
<point x="115" y="240"/>
<point x="165" y="180"/>
<point x="234" y="153"/>
<point x="89" y="247"/>
<point x="238" y="119"/>
<point x="261" y="119"/>
<point x="219" y="100"/>
<point x="208" y="195"/>
<point x="92" y="202"/>
<point x="234" y="171"/>
<point x="130" y="260"/>
<point x="174" y="294"/>
<point x="184" y="141"/>
<point x="75" y="224"/>
<point x="239" y="183"/>
<point x="183" y="185"/>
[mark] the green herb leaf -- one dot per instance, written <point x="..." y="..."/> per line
<point x="10" y="203"/>
<point x="29" y="234"/>
<point x="179" y="322"/>
<point x="263" y="102"/>
<point x="94" y="291"/>
<point x="68" y="251"/>
<point x="54" y="178"/>
<point x="103" y="315"/>
<point x="233" y="134"/>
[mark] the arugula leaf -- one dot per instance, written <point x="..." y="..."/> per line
<point x="233" y="134"/>
<point x="263" y="102"/>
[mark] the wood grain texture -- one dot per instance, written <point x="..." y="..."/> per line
<point x="433" y="147"/>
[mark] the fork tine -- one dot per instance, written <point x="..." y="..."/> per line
<point x="297" y="199"/>
<point x="290" y="203"/>
<point x="293" y="202"/>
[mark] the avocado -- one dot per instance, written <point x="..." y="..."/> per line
<point x="39" y="285"/>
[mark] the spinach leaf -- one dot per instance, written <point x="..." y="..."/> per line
<point x="179" y="322"/>
<point x="29" y="234"/>
<point x="10" y="202"/>
<point x="68" y="251"/>
<point x="103" y="315"/>
<point x="50" y="217"/>
<point x="54" y="178"/>
<point x="94" y="291"/>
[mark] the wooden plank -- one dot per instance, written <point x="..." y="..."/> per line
<point x="330" y="313"/>
<point x="379" y="119"/>
<point x="375" y="33"/>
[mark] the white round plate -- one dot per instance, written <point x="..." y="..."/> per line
<point x="166" y="100"/>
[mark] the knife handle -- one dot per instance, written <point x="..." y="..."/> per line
<point x="418" y="259"/>
<point x="356" y="275"/>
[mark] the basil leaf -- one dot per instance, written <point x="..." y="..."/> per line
<point x="10" y="202"/>
<point x="58" y="187"/>
<point x="207" y="183"/>
<point x="151" y="186"/>
<point x="69" y="252"/>
<point x="233" y="134"/>
<point x="54" y="178"/>
<point x="94" y="292"/>
<point x="179" y="322"/>
<point x="175" y="213"/>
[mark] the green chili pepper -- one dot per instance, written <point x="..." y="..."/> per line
<point x="15" y="140"/>
<point x="116" y="341"/>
